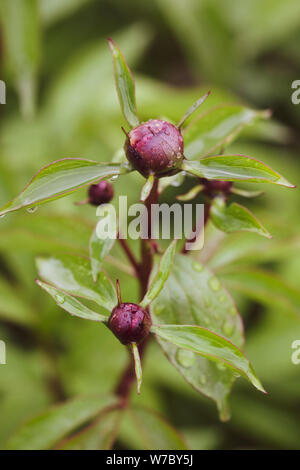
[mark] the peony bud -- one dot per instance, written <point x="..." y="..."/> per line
<point x="130" y="323"/>
<point x="100" y="193"/>
<point x="155" y="147"/>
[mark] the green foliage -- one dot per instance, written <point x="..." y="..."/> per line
<point x="234" y="168"/>
<point x="235" y="217"/>
<point x="48" y="429"/>
<point x="56" y="60"/>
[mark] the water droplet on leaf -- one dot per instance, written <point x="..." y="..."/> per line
<point x="185" y="358"/>
<point x="32" y="209"/>
<point x="197" y="267"/>
<point x="228" y="328"/>
<point x="202" y="379"/>
<point x="214" y="284"/>
<point x="233" y="311"/>
<point x="114" y="178"/>
<point x="59" y="298"/>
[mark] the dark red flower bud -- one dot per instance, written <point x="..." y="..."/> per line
<point x="213" y="187"/>
<point x="100" y="193"/>
<point x="155" y="147"/>
<point x="130" y="323"/>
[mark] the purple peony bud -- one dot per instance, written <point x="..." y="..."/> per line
<point x="100" y="193"/>
<point x="130" y="323"/>
<point x="155" y="147"/>
<point x="213" y="187"/>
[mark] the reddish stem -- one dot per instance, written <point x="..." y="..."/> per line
<point x="143" y="272"/>
<point x="192" y="240"/>
<point x="129" y="254"/>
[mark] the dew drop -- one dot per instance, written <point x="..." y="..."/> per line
<point x="228" y="328"/>
<point x="202" y="379"/>
<point x="32" y="209"/>
<point x="114" y="178"/>
<point x="185" y="358"/>
<point x="221" y="298"/>
<point x="59" y="298"/>
<point x="221" y="366"/>
<point x="233" y="311"/>
<point x="214" y="284"/>
<point x="197" y="267"/>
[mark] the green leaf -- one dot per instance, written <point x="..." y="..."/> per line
<point x="241" y="248"/>
<point x="53" y="11"/>
<point x="99" y="248"/>
<point x="72" y="274"/>
<point x="137" y="366"/>
<point x="70" y="304"/>
<point x="245" y="192"/>
<point x="260" y="420"/>
<point x="143" y="428"/>
<point x="217" y="128"/>
<point x="192" y="109"/>
<point x="191" y="194"/>
<point x="162" y="275"/>
<point x="234" y="168"/>
<point x="264" y="287"/>
<point x="214" y="347"/>
<point x="46" y="233"/>
<point x="235" y="217"/>
<point x="125" y="85"/>
<point x="14" y="305"/>
<point x="47" y="429"/>
<point x="193" y="296"/>
<point x="60" y="178"/>
<point x="100" y="435"/>
<point x="22" y="51"/>
<point x="146" y="189"/>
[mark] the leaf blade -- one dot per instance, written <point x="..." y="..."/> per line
<point x="210" y="345"/>
<point x="98" y="249"/>
<point x="47" y="429"/>
<point x="217" y="128"/>
<point x="137" y="366"/>
<point x="60" y="178"/>
<point x="192" y="295"/>
<point x="192" y="109"/>
<point x="161" y="276"/>
<point x="235" y="217"/>
<point x="71" y="304"/>
<point x="234" y="168"/>
<point x="72" y="274"/>
<point x="124" y="84"/>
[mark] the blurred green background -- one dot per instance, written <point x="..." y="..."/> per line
<point x="61" y="102"/>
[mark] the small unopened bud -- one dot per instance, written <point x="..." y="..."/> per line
<point x="155" y="147"/>
<point x="100" y="193"/>
<point x="215" y="187"/>
<point x="130" y="323"/>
